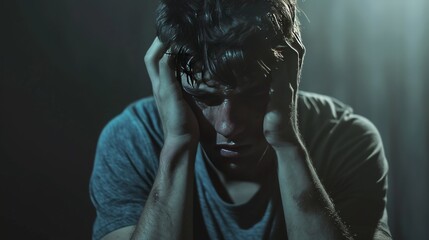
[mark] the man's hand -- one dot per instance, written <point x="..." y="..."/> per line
<point x="170" y="201"/>
<point x="280" y="122"/>
<point x="178" y="120"/>
<point x="308" y="210"/>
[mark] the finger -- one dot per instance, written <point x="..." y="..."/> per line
<point x="168" y="85"/>
<point x="298" y="44"/>
<point x="287" y="70"/>
<point x="152" y="58"/>
<point x="280" y="99"/>
<point x="285" y="80"/>
<point x="299" y="48"/>
<point x="297" y="51"/>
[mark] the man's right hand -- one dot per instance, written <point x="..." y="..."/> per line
<point x="178" y="120"/>
<point x="170" y="201"/>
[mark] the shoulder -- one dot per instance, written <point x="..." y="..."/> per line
<point x="125" y="166"/>
<point x="131" y="140"/>
<point x="139" y="122"/>
<point x="314" y="107"/>
<point x="326" y="116"/>
<point x="336" y="137"/>
<point x="347" y="152"/>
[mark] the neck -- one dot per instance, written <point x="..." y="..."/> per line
<point x="239" y="189"/>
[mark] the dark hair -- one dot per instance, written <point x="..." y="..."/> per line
<point x="228" y="39"/>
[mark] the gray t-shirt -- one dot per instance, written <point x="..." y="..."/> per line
<point x="345" y="149"/>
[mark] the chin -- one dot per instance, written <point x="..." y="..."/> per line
<point x="246" y="167"/>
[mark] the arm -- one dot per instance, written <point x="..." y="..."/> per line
<point x="168" y="210"/>
<point x="308" y="210"/>
<point x="355" y="174"/>
<point x="355" y="163"/>
<point x="170" y="202"/>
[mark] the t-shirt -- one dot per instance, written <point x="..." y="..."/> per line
<point x="345" y="149"/>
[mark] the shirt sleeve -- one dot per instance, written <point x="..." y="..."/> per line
<point x="347" y="152"/>
<point x="124" y="170"/>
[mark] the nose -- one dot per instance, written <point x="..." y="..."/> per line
<point x="229" y="119"/>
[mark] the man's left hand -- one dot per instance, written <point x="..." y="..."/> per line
<point x="280" y="121"/>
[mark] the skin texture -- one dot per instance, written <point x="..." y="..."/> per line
<point x="232" y="117"/>
<point x="262" y="125"/>
<point x="170" y="202"/>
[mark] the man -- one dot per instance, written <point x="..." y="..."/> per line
<point x="228" y="148"/>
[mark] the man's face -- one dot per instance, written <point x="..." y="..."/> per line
<point x="231" y="122"/>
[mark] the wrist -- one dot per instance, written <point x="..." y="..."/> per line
<point x="288" y="147"/>
<point x="288" y="142"/>
<point x="288" y="151"/>
<point x="186" y="140"/>
<point x="178" y="152"/>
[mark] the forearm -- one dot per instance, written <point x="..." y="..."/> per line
<point x="308" y="210"/>
<point x="168" y="211"/>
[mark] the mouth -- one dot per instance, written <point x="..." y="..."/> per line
<point x="233" y="150"/>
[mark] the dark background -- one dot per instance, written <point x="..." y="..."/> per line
<point x="68" y="67"/>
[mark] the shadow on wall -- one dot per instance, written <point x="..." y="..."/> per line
<point x="373" y="56"/>
<point x="70" y="66"/>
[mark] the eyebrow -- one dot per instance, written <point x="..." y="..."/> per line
<point x="254" y="88"/>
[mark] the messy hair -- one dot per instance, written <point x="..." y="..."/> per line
<point x="228" y="39"/>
